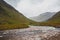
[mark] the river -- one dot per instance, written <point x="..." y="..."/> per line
<point x="31" y="33"/>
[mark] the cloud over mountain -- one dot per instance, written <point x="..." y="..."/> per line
<point x="35" y="7"/>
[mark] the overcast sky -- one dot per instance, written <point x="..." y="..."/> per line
<point x="32" y="8"/>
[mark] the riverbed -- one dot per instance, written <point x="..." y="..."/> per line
<point x="31" y="33"/>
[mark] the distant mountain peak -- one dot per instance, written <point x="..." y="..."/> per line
<point x="43" y="17"/>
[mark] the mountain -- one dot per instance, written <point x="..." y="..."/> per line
<point x="48" y="19"/>
<point x="55" y="20"/>
<point x="56" y="17"/>
<point x="43" y="17"/>
<point x="10" y="18"/>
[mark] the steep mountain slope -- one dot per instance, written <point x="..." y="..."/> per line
<point x="56" y="17"/>
<point x="55" y="20"/>
<point x="43" y="17"/>
<point x="10" y="18"/>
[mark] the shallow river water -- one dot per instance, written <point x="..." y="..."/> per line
<point x="32" y="33"/>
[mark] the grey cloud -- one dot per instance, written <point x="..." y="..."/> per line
<point x="13" y="2"/>
<point x="35" y="7"/>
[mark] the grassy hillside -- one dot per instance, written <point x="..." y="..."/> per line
<point x="10" y="18"/>
<point x="54" y="21"/>
<point x="56" y="17"/>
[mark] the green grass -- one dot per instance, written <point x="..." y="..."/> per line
<point x="10" y="18"/>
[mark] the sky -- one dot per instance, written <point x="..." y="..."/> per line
<point x="13" y="2"/>
<point x="31" y="8"/>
